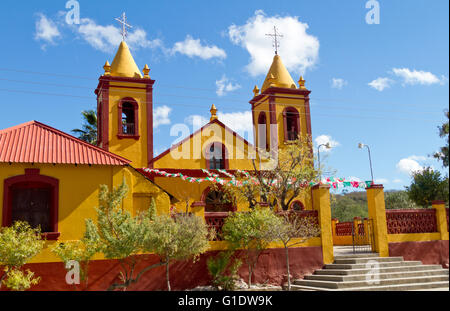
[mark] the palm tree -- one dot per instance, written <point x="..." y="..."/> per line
<point x="88" y="132"/>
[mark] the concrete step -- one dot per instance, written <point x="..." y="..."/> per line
<point x="350" y="256"/>
<point x="367" y="259"/>
<point x="404" y="287"/>
<point x="374" y="274"/>
<point x="382" y="270"/>
<point x="441" y="286"/>
<point x="365" y="283"/>
<point x="380" y="265"/>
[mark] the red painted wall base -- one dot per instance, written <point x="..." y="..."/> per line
<point x="271" y="269"/>
<point x="429" y="252"/>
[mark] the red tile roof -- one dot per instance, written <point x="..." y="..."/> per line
<point x="35" y="142"/>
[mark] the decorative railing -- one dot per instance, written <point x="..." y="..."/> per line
<point x="312" y="215"/>
<point x="344" y="228"/>
<point x="216" y="220"/>
<point x="128" y="128"/>
<point x="411" y="221"/>
<point x="361" y="230"/>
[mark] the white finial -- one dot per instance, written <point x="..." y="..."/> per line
<point x="275" y="36"/>
<point x="123" y="21"/>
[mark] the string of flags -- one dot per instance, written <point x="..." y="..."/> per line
<point x="335" y="183"/>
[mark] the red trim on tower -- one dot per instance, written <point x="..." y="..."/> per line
<point x="308" y="116"/>
<point x="149" y="107"/>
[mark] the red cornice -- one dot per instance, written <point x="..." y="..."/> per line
<point x="273" y="91"/>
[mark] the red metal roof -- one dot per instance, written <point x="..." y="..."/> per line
<point x="35" y="142"/>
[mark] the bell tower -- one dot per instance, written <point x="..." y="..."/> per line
<point x="125" y="109"/>
<point x="280" y="111"/>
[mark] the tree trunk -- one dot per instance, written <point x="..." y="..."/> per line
<point x="250" y="271"/>
<point x="167" y="274"/>
<point x="288" y="269"/>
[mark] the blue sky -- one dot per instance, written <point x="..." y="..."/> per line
<point x="383" y="84"/>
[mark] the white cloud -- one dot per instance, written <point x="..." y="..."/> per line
<point x="397" y="181"/>
<point x="299" y="50"/>
<point x="193" y="48"/>
<point x="324" y="139"/>
<point x="409" y="165"/>
<point x="381" y="83"/>
<point x="338" y="83"/>
<point x="381" y="181"/>
<point x="413" y="77"/>
<point x="417" y="158"/>
<point x="107" y="38"/>
<point x="161" y="116"/>
<point x="224" y="85"/>
<point x="46" y="29"/>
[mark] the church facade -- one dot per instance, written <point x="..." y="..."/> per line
<point x="52" y="179"/>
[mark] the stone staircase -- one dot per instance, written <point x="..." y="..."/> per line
<point x="369" y="272"/>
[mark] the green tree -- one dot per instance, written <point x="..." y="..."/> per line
<point x="18" y="244"/>
<point x="426" y="186"/>
<point x="399" y="200"/>
<point x="442" y="155"/>
<point x="291" y="229"/>
<point x="88" y="132"/>
<point x="180" y="237"/>
<point x="118" y="235"/>
<point x="289" y="175"/>
<point x="346" y="207"/>
<point x="251" y="232"/>
<point x="223" y="269"/>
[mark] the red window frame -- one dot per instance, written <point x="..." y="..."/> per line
<point x="302" y="206"/>
<point x="224" y="155"/>
<point x="295" y="112"/>
<point x="32" y="176"/>
<point x="133" y="102"/>
<point x="262" y="119"/>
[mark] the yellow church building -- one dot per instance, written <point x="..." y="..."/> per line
<point x="52" y="179"/>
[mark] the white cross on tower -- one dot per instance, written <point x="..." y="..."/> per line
<point x="275" y="36"/>
<point x="123" y="21"/>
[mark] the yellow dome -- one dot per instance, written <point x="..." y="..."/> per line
<point x="123" y="64"/>
<point x="278" y="76"/>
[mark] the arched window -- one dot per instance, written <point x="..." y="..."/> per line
<point x="32" y="198"/>
<point x="297" y="206"/>
<point x="128" y="118"/>
<point x="263" y="137"/>
<point x="291" y="124"/>
<point x="216" y="201"/>
<point x="216" y="157"/>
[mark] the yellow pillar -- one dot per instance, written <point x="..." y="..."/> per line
<point x="377" y="212"/>
<point x="441" y="218"/>
<point x="321" y="203"/>
<point x="198" y="209"/>
<point x="366" y="231"/>
<point x="334" y="221"/>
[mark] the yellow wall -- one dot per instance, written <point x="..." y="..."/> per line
<point x="129" y="148"/>
<point x="78" y="194"/>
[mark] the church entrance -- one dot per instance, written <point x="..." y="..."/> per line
<point x="217" y="207"/>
